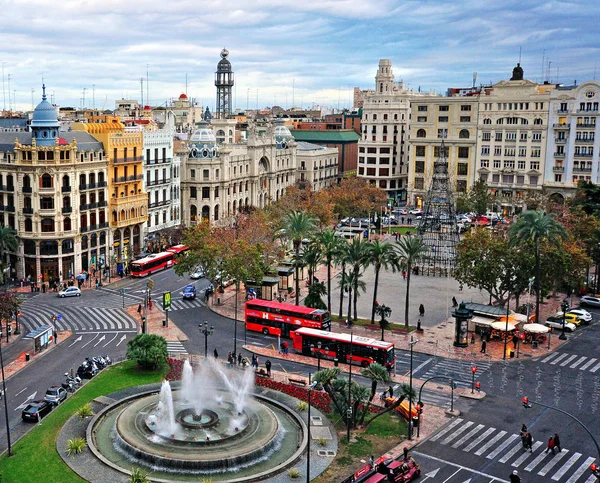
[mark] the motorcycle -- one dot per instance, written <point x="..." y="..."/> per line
<point x="107" y="359"/>
<point x="99" y="361"/>
<point x="68" y="386"/>
<point x="76" y="381"/>
<point x="87" y="370"/>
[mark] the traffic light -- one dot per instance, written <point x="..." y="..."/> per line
<point x="420" y="407"/>
<point x="474" y="369"/>
<point x="595" y="470"/>
<point x="150" y="283"/>
<point x="526" y="404"/>
<point x="478" y="386"/>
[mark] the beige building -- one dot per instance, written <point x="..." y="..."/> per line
<point x="511" y="140"/>
<point x="317" y="165"/>
<point x="434" y="118"/>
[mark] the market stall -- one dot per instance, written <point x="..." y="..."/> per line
<point x="501" y="329"/>
<point x="535" y="333"/>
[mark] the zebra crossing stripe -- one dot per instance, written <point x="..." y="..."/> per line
<point x="504" y="444"/>
<point x="564" y="468"/>
<point x="480" y="439"/>
<point x="566" y="362"/>
<point x="559" y="358"/>
<point x="537" y="460"/>
<point x="458" y="432"/>
<point x="487" y="445"/>
<point x="595" y="368"/>
<point x="581" y="470"/>
<point x="591" y="479"/>
<point x="468" y="436"/>
<point x="553" y="462"/>
<point x="446" y="429"/>
<point x="588" y="364"/>
<point x="579" y="361"/>
<point x="519" y="461"/>
<point x="511" y="453"/>
<point x="554" y="354"/>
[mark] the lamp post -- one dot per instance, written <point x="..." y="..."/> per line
<point x="310" y="388"/>
<point x="564" y="306"/>
<point x="206" y="331"/>
<point x="473" y="372"/>
<point x="420" y="403"/>
<point x="506" y="328"/>
<point x="411" y="344"/>
<point x="17" y="326"/>
<point x="318" y="354"/>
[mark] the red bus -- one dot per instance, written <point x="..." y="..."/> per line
<point x="276" y="318"/>
<point x="152" y="263"/>
<point x="365" y="350"/>
<point x="178" y="249"/>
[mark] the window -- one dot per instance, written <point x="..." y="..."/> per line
<point x="483" y="177"/>
<point x="498" y="151"/>
<point x="534" y="165"/>
<point x="486" y="136"/>
<point x="419" y="183"/>
<point x="535" y="153"/>
<point x="46" y="181"/>
<point x="441" y="133"/>
<point x="509" y="164"/>
<point x="463" y="134"/>
<point x="499" y="136"/>
<point x="521" y="164"/>
<point x="205" y="174"/>
<point x="533" y="180"/>
<point x="522" y="151"/>
<point x="419" y="167"/>
<point x="485" y="149"/>
<point x="487" y="121"/>
<point x="371" y="171"/>
<point x="463" y="152"/>
<point x="465" y="118"/>
<point x="537" y="136"/>
<point x="509" y="151"/>
<point x="462" y="169"/>
<point x="47" y="203"/>
<point x="47" y="225"/>
<point x="193" y="173"/>
<point x="444" y="108"/>
<point x="538" y="121"/>
<point x="484" y="163"/>
<point x="521" y="179"/>
<point x="205" y="192"/>
<point x="420" y="151"/>
<point x="436" y="151"/>
<point x="523" y="137"/>
<point x="443" y="119"/>
<point x="495" y="178"/>
<point x="421" y="118"/>
<point x="465" y="107"/>
<point x="422" y="108"/>
<point x="511" y="136"/>
<point x="384" y="172"/>
<point x="193" y="192"/>
<point x="421" y="133"/>
<point x="496" y="163"/>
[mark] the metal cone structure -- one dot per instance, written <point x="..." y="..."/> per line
<point x="438" y="224"/>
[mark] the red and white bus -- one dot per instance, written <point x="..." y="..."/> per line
<point x="334" y="345"/>
<point x="178" y="249"/>
<point x="152" y="263"/>
<point x="276" y="318"/>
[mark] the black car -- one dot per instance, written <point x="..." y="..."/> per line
<point x="36" y="410"/>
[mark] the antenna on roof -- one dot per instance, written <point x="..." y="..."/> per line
<point x="519" y="54"/>
<point x="474" y="79"/>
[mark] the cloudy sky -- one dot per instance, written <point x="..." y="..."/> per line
<point x="302" y="52"/>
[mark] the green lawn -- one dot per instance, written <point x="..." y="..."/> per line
<point x="35" y="455"/>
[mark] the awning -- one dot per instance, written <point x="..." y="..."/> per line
<point x="482" y="320"/>
<point x="519" y="317"/>
<point x="536" y="328"/>
<point x="502" y="326"/>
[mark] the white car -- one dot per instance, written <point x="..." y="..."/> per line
<point x="556" y="324"/>
<point x="581" y="314"/>
<point x="70" y="292"/>
<point x="589" y="300"/>
<point x="415" y="212"/>
<point x="197" y="274"/>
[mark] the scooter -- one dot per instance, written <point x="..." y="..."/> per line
<point x="76" y="381"/>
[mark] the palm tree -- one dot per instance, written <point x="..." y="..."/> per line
<point x="340" y="259"/>
<point x="384" y="312"/>
<point x="330" y="245"/>
<point x="353" y="284"/>
<point x="380" y="255"/>
<point x="377" y="373"/>
<point x="311" y="257"/>
<point x="410" y="250"/>
<point x="296" y="226"/>
<point x="405" y="393"/>
<point x="315" y="291"/>
<point x="535" y="226"/>
<point x="357" y="254"/>
<point x="8" y="243"/>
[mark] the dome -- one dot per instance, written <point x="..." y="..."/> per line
<point x="44" y="114"/>
<point x="147" y="108"/>
<point x="281" y="130"/>
<point x="183" y="96"/>
<point x="203" y="134"/>
<point x="224" y="64"/>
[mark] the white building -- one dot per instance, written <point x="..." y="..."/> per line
<point x="317" y="165"/>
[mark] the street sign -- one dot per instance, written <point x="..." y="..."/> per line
<point x="166" y="300"/>
<point x="122" y="291"/>
<point x="150" y="283"/>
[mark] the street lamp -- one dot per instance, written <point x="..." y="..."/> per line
<point x="206" y="331"/>
<point x="473" y="372"/>
<point x="506" y="328"/>
<point x="318" y="354"/>
<point x="420" y="402"/>
<point x="564" y="306"/>
<point x="17" y="326"/>
<point x="411" y="344"/>
<point x="310" y="388"/>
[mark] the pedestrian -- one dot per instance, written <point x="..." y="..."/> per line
<point x="557" y="442"/>
<point x="140" y="309"/>
<point x="523" y="429"/>
<point x="515" y="339"/>
<point x="97" y="283"/>
<point x="216" y="353"/>
<point x="454" y="302"/>
<point x="529" y="441"/>
<point x="391" y="391"/>
<point x="421" y="310"/>
<point x="550" y="445"/>
<point x="402" y="218"/>
<point x="483" y="346"/>
<point x="404" y="275"/>
<point x="150" y="303"/>
<point x="268" y="366"/>
<point x="389" y="367"/>
<point x="55" y="337"/>
<point x="514" y="477"/>
<point x="405" y="453"/>
<point x="284" y="346"/>
<point x="524" y="438"/>
<point x="239" y="359"/>
<point x="371" y="462"/>
<point x="230" y="359"/>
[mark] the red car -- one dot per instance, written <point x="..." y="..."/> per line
<point x="399" y="471"/>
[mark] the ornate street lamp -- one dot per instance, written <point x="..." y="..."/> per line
<point x="206" y="332"/>
<point x="564" y="306"/>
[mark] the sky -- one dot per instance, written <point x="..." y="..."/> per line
<point x="283" y="52"/>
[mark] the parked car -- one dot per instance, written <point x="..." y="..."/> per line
<point x="189" y="292"/>
<point x="55" y="395"/>
<point x="558" y="324"/>
<point x="197" y="274"/>
<point x="415" y="212"/>
<point x="35" y="410"/>
<point x="590" y="301"/>
<point x="583" y="315"/>
<point x="69" y="292"/>
<point x="569" y="317"/>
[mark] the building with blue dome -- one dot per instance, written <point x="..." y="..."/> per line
<point x="44" y="124"/>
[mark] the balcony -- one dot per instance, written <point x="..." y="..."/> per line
<point x="129" y="201"/>
<point x="558" y="169"/>
<point x="126" y="179"/>
<point x="587" y="124"/>
<point x="102" y="204"/>
<point x="28" y="211"/>
<point x="129" y="159"/>
<point x="157" y="182"/>
<point x="65" y="189"/>
<point x="159" y="161"/>
<point x="10" y="209"/>
<point x="7" y="188"/>
<point x="67" y="209"/>
<point x="583" y="155"/>
<point x="27" y="189"/>
<point x="582" y="169"/>
<point x="561" y="126"/>
<point x="559" y="155"/>
<point x="587" y="111"/>
<point x="584" y="141"/>
<point x="98" y="226"/>
<point x="48" y="211"/>
<point x="560" y="140"/>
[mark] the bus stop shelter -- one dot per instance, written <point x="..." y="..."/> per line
<point x="42" y="337"/>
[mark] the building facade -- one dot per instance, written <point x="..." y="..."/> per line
<point x="573" y="141"/>
<point x="317" y="165"/>
<point x="453" y="119"/>
<point x="54" y="194"/>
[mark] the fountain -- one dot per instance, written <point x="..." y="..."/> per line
<point x="212" y="423"/>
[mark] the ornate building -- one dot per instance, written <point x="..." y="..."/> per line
<point x="224" y="83"/>
<point x="54" y="194"/>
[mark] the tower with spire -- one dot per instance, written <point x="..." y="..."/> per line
<point x="224" y="83"/>
<point x="438" y="221"/>
<point x="44" y="123"/>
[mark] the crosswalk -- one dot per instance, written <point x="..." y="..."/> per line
<point x="458" y="370"/>
<point x="180" y="304"/>
<point x="75" y="318"/>
<point x="497" y="445"/>
<point x="175" y="347"/>
<point x="572" y="361"/>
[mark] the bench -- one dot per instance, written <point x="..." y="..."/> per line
<point x="373" y="327"/>
<point x="298" y="382"/>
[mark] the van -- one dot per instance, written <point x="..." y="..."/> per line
<point x="492" y="216"/>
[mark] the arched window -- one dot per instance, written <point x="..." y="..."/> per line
<point x="84" y="242"/>
<point x="487" y="121"/>
<point x="92" y="218"/>
<point x="102" y="238"/>
<point x="114" y="216"/>
<point x="82" y="179"/>
<point x="27" y="202"/>
<point x="216" y="211"/>
<point x="47" y="225"/>
<point x="193" y="213"/>
<point x="28" y="225"/>
<point x="100" y="178"/>
<point x="26" y="181"/>
<point x="83" y="221"/>
<point x="538" y="121"/>
<point x="421" y="133"/>
<point x="66" y="182"/>
<point x="46" y="181"/>
<point x="385" y="117"/>
<point x="463" y="134"/>
<point x="92" y="178"/>
<point x="66" y="201"/>
<point x="67" y="224"/>
<point x="374" y="117"/>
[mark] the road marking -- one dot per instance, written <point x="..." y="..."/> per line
<point x="588" y="364"/>
<point x="112" y="332"/>
<point x="116" y="335"/>
<point x="446" y="429"/>
<point x="559" y="474"/>
<point x="581" y="470"/>
<point x="431" y="474"/>
<point x="504" y="444"/>
<point x="22" y="390"/>
<point x="519" y="461"/>
<point x="595" y="368"/>
<point x="100" y="340"/>
<point x="538" y="459"/>
<point x="480" y="439"/>
<point x="91" y="340"/>
<point x="565" y="362"/>
<point x="76" y="340"/>
<point x="579" y="361"/>
<point x="554" y="354"/>
<point x="31" y="397"/>
<point x="552" y="462"/>
<point x="458" y="432"/>
<point x="559" y="358"/>
<point x="511" y="453"/>
<point x="122" y="339"/>
<point x="422" y="365"/>
<point x="469" y="435"/>
<point x="476" y="472"/>
<point x="452" y="475"/>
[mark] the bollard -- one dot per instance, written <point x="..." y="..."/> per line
<point x="27" y="357"/>
<point x="336" y="362"/>
<point x="164" y="323"/>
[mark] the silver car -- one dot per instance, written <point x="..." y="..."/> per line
<point x="590" y="301"/>
<point x="70" y="292"/>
